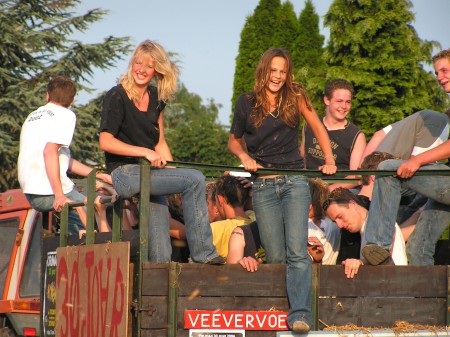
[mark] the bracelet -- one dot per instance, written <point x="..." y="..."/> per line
<point x="328" y="156"/>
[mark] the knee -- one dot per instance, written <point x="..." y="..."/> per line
<point x="390" y="164"/>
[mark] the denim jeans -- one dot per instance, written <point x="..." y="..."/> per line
<point x="44" y="203"/>
<point x="432" y="222"/>
<point x="281" y="205"/>
<point x="191" y="185"/>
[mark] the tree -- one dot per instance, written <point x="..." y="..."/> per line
<point x="373" y="45"/>
<point x="35" y="45"/>
<point x="193" y="133"/>
<point x="256" y="37"/>
<point x="307" y="55"/>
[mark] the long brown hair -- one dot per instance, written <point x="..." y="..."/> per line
<point x="288" y="96"/>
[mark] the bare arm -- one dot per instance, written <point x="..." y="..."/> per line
<point x="357" y="152"/>
<point x="322" y="137"/>
<point x="236" y="246"/>
<point x="373" y="143"/>
<point x="410" y="166"/>
<point x="111" y="144"/>
<point x="162" y="147"/>
<point x="236" y="148"/>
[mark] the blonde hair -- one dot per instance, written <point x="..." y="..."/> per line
<point x="166" y="71"/>
<point x="288" y="96"/>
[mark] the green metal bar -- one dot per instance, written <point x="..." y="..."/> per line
<point x="64" y="226"/>
<point x="174" y="272"/>
<point x="90" y="235"/>
<point x="315" y="295"/>
<point x="144" y="216"/>
<point x="117" y="220"/>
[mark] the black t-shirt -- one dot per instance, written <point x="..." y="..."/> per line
<point x="274" y="144"/>
<point x="342" y="143"/>
<point x="126" y="122"/>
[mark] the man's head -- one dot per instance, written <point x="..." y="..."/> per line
<point x="61" y="90"/>
<point x="441" y="62"/>
<point x="319" y="193"/>
<point x="347" y="209"/>
<point x="231" y="193"/>
<point x="338" y="98"/>
<point x="372" y="161"/>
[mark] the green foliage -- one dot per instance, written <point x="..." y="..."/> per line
<point x="193" y="133"/>
<point x="35" y="45"/>
<point x="276" y="25"/>
<point x="373" y="45"/>
<point x="256" y="37"/>
<point x="307" y="55"/>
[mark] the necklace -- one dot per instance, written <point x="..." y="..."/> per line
<point x="277" y="108"/>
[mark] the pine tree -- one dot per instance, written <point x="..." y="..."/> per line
<point x="35" y="45"/>
<point x="374" y="46"/>
<point x="307" y="55"/>
<point x="256" y="37"/>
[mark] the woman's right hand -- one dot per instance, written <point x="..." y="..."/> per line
<point x="155" y="159"/>
<point x="249" y="163"/>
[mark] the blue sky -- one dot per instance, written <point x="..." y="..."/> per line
<point x="206" y="34"/>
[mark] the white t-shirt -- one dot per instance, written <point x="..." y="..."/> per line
<point x="333" y="236"/>
<point x="398" y="248"/>
<point x="50" y="123"/>
<point x="313" y="230"/>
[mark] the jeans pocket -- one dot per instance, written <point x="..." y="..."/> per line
<point x="126" y="181"/>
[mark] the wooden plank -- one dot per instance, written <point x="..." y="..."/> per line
<point x="154" y="314"/>
<point x="381" y="312"/>
<point x="397" y="281"/>
<point x="205" y="280"/>
<point x="156" y="333"/>
<point x="155" y="279"/>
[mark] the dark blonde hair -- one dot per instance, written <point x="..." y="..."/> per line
<point x="371" y="162"/>
<point x="166" y="71"/>
<point x="343" y="196"/>
<point x="288" y="96"/>
<point x="443" y="54"/>
<point x="319" y="193"/>
<point x="61" y="90"/>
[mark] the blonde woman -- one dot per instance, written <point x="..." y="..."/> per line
<point x="132" y="127"/>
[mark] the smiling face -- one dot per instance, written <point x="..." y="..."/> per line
<point x="348" y="216"/>
<point x="339" y="105"/>
<point x="442" y="71"/>
<point x="278" y="71"/>
<point x="143" y="70"/>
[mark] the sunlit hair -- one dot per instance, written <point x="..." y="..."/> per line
<point x="166" y="71"/>
<point x="288" y="96"/>
<point x="336" y="84"/>
<point x="372" y="161"/>
<point x="319" y="193"/>
<point x="443" y="54"/>
<point x="343" y="196"/>
<point x="61" y="90"/>
<point x="211" y="189"/>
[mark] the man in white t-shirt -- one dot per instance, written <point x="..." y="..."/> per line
<point x="347" y="211"/>
<point x="44" y="156"/>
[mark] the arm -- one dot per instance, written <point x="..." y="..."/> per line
<point x="236" y="148"/>
<point x="111" y="144"/>
<point x="162" y="147"/>
<point x="409" y="167"/>
<point x="321" y="135"/>
<point x="83" y="170"/>
<point x="373" y="143"/>
<point x="302" y="146"/>
<point x="316" y="251"/>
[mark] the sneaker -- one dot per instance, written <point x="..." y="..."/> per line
<point x="218" y="260"/>
<point x="376" y="255"/>
<point x="300" y="326"/>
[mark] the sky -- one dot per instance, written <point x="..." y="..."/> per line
<point x="206" y="33"/>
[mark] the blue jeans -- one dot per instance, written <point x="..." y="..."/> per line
<point x="44" y="203"/>
<point x="281" y="205"/>
<point x="432" y="222"/>
<point x="191" y="185"/>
